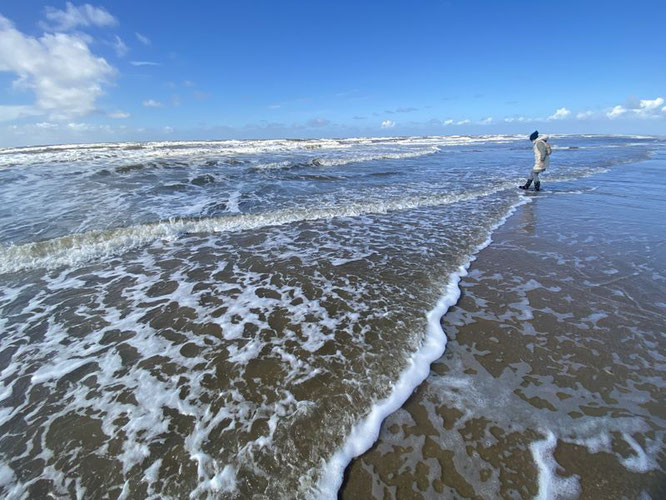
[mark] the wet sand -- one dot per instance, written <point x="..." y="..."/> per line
<point x="244" y="338"/>
<point x="552" y="383"/>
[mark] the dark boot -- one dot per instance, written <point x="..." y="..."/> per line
<point x="537" y="186"/>
<point x="527" y="184"/>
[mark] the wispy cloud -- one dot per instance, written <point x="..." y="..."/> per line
<point x="447" y="122"/>
<point x="519" y="119"/>
<point x="347" y="93"/>
<point x="486" y="121"/>
<point x="318" y="122"/>
<point x="144" y="63"/>
<point x="47" y="125"/>
<point x="10" y="113"/>
<point x="143" y="39"/>
<point x="119" y="115"/>
<point x="79" y="127"/>
<point x="120" y="47"/>
<point x="584" y="115"/>
<point x="463" y="122"/>
<point x="151" y="103"/>
<point x="388" y="124"/>
<point x="62" y="131"/>
<point x="73" y="17"/>
<point x="200" y="95"/>
<point x="400" y="110"/>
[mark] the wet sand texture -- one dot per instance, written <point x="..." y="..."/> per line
<point x="552" y="383"/>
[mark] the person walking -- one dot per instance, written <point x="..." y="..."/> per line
<point x="542" y="152"/>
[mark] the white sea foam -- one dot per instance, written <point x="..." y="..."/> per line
<point x="145" y="421"/>
<point x="6" y="475"/>
<point x="193" y="149"/>
<point x="596" y="436"/>
<point x="347" y="160"/>
<point x="364" y="433"/>
<point x="551" y="486"/>
<point x="641" y="461"/>
<point x="75" y="249"/>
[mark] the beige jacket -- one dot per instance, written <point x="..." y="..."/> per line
<point x="541" y="154"/>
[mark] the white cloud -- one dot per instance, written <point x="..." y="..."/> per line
<point x="651" y="104"/>
<point x="119" y="114"/>
<point x="150" y="103"/>
<point x="168" y="130"/>
<point x="522" y="119"/>
<point x="560" y="114"/>
<point x="616" y="112"/>
<point x="143" y="39"/>
<point x="65" y="77"/>
<point x="120" y="47"/>
<point x="388" y="124"/>
<point x="144" y="63"/>
<point x="584" y="115"/>
<point x="58" y="132"/>
<point x="448" y="122"/>
<point x="644" y="108"/>
<point x="73" y="17"/>
<point x="189" y="84"/>
<point x="487" y="121"/>
<point x="79" y="127"/>
<point x="463" y="122"/>
<point x="10" y="113"/>
<point x="46" y="125"/>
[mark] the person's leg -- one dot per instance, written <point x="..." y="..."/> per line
<point x="528" y="182"/>
<point x="537" y="182"/>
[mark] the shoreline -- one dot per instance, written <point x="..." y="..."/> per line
<point x="544" y="448"/>
<point x="366" y="432"/>
<point x="237" y="362"/>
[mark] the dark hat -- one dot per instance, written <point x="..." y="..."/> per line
<point x="534" y="135"/>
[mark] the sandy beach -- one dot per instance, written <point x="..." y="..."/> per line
<point x="237" y="319"/>
<point x="552" y="383"/>
<point x="278" y="250"/>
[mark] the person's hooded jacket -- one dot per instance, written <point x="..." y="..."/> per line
<point x="541" y="154"/>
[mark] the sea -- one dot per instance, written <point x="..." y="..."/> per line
<point x="235" y="319"/>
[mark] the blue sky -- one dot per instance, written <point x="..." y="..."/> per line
<point x="132" y="70"/>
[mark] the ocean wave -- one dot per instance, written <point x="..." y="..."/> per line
<point x="76" y="249"/>
<point x="340" y="161"/>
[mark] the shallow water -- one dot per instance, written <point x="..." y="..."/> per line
<point x="552" y="384"/>
<point x="215" y="317"/>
